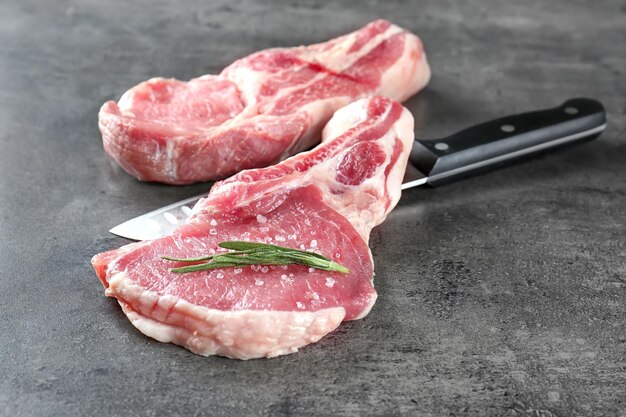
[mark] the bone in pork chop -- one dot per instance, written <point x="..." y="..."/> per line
<point x="326" y="200"/>
<point x="260" y="109"/>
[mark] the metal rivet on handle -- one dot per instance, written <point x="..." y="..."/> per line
<point x="571" y="110"/>
<point x="441" y="146"/>
<point x="507" y="128"/>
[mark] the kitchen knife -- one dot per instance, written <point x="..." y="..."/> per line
<point x="476" y="149"/>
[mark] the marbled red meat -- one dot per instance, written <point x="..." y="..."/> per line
<point x="260" y="109"/>
<point x="326" y="200"/>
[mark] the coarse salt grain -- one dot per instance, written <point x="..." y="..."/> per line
<point x="219" y="275"/>
<point x="311" y="269"/>
<point x="314" y="243"/>
<point x="299" y="305"/>
<point x="212" y="231"/>
<point x="213" y="222"/>
<point x="258" y="282"/>
<point x="265" y="269"/>
<point x="238" y="271"/>
<point x="261" y="218"/>
<point x="330" y="282"/>
<point x="315" y="296"/>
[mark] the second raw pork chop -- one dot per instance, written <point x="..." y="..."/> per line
<point x="260" y="109"/>
<point x="326" y="200"/>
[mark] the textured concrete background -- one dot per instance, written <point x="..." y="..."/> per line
<point x="502" y="295"/>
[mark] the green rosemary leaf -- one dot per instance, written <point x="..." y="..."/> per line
<point x="334" y="266"/>
<point x="237" y="260"/>
<point x="241" y="245"/>
<point x="207" y="257"/>
<point x="198" y="259"/>
<point x="202" y="267"/>
<point x="325" y="264"/>
<point x="254" y="253"/>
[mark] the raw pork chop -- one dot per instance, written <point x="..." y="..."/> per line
<point x="260" y="109"/>
<point x="326" y="200"/>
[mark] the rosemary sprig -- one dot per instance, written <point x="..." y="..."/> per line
<point x="252" y="253"/>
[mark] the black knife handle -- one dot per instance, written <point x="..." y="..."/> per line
<point x="492" y="144"/>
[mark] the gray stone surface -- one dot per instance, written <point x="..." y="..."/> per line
<point x="502" y="295"/>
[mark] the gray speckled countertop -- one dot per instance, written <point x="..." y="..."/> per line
<point x="502" y="295"/>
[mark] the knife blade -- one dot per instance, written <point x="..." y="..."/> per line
<point x="435" y="162"/>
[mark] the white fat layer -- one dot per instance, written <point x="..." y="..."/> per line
<point x="244" y="334"/>
<point x="171" y="165"/>
<point x="338" y="59"/>
<point x="409" y="74"/>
